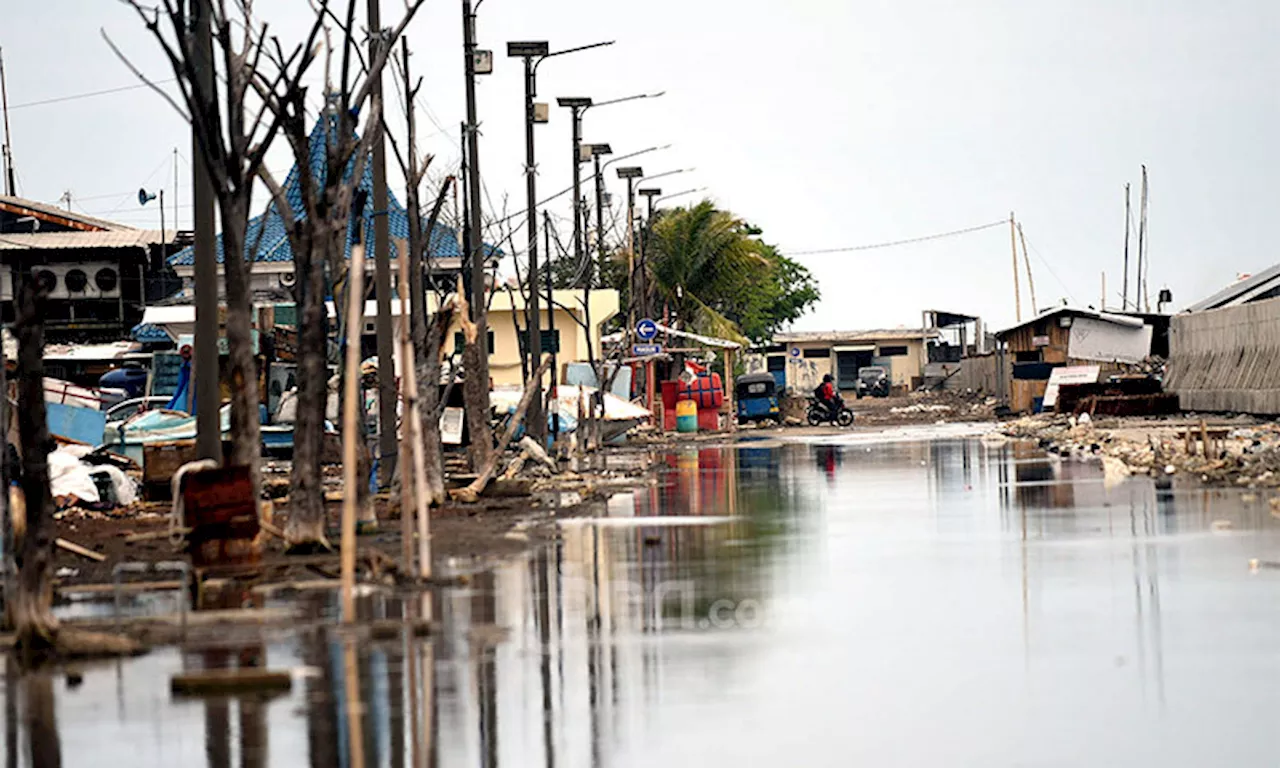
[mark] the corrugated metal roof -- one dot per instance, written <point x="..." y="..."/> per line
<point x="1241" y="291"/>
<point x="274" y="244"/>
<point x="50" y="241"/>
<point x="1131" y="322"/>
<point x="836" y="337"/>
<point x="53" y="210"/>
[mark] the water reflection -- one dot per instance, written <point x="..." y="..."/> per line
<point x="1022" y="608"/>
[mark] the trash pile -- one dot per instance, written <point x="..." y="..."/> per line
<point x="1231" y="453"/>
<point x="83" y="479"/>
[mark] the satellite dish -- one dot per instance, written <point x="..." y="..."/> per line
<point x="144" y="198"/>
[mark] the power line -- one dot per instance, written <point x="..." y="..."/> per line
<point x="90" y="94"/>
<point x="1045" y="262"/>
<point x="893" y="243"/>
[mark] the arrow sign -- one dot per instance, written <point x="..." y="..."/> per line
<point x="646" y="329"/>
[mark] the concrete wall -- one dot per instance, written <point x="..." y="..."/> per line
<point x="1227" y="359"/>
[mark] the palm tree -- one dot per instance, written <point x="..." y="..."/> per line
<point x="696" y="255"/>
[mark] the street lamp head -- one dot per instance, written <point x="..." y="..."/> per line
<point x="574" y="102"/>
<point x="649" y="192"/>
<point x="630" y="172"/>
<point x="528" y="49"/>
<point x="597" y="150"/>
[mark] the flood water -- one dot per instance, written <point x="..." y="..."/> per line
<point x="941" y="602"/>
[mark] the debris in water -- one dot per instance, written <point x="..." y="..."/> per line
<point x="1217" y="526"/>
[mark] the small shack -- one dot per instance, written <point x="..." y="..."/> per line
<point x="1069" y="336"/>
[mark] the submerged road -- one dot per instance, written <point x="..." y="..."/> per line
<point x="836" y="602"/>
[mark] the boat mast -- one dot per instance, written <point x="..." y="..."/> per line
<point x="10" y="187"/>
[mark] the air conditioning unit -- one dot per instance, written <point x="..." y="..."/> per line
<point x="79" y="281"/>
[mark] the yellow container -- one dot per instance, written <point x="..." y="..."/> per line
<point x="686" y="416"/>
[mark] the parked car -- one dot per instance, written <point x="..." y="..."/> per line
<point x="873" y="381"/>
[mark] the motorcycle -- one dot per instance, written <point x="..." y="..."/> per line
<point x="819" y="413"/>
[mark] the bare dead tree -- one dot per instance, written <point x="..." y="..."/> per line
<point x="31" y="609"/>
<point x="319" y="233"/>
<point x="427" y="335"/>
<point x="37" y="634"/>
<point x="233" y="136"/>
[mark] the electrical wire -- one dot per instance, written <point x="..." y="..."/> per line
<point x="1045" y="262"/>
<point x="894" y="243"/>
<point x="90" y="94"/>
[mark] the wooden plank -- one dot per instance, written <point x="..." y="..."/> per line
<point x="74" y="548"/>
<point x="224" y="681"/>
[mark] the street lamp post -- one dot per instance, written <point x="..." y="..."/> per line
<point x="630" y="174"/>
<point x="646" y="233"/>
<point x="534" y="53"/>
<point x="578" y="106"/>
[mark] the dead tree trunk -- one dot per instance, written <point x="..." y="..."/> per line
<point x="427" y="342"/>
<point x="246" y="440"/>
<point x="31" y="614"/>
<point x="306" y="527"/>
<point x="475" y="387"/>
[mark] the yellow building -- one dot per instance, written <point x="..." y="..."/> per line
<point x="504" y="345"/>
<point x="807" y="356"/>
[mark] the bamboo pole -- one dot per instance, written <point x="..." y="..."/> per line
<point x="351" y="407"/>
<point x="1013" y="243"/>
<point x="413" y="436"/>
<point x="1026" y="259"/>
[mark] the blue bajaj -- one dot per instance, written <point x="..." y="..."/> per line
<point x="757" y="396"/>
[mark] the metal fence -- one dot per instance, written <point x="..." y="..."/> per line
<point x="1227" y="360"/>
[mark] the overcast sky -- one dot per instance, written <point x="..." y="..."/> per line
<point x="828" y="124"/>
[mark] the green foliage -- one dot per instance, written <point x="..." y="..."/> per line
<point x="713" y="271"/>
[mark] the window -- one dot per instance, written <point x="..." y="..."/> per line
<point x="459" y="342"/>
<point x="893" y="351"/>
<point x="550" y="343"/>
<point x="758" y="388"/>
<point x="1027" y="357"/>
<point x="818" y="352"/>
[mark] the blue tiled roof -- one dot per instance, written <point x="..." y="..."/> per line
<point x="274" y="245"/>
<point x="148" y="333"/>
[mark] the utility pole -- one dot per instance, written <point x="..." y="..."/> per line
<point x="535" y="422"/>
<point x="476" y="255"/>
<point x="1142" y="298"/>
<point x="599" y="267"/>
<point x="646" y="235"/>
<point x="551" y="330"/>
<point x="1013" y="243"/>
<point x="388" y="445"/>
<point x="208" y="397"/>
<point x="1026" y="260"/>
<point x="10" y="187"/>
<point x="1124" y="296"/>
<point x="576" y="107"/>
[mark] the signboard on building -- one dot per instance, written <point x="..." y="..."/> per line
<point x="1040" y="341"/>
<point x="1079" y="374"/>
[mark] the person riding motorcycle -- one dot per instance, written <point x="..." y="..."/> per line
<point x="827" y="395"/>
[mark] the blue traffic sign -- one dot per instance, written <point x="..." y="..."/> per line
<point x="646" y="350"/>
<point x="646" y="329"/>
